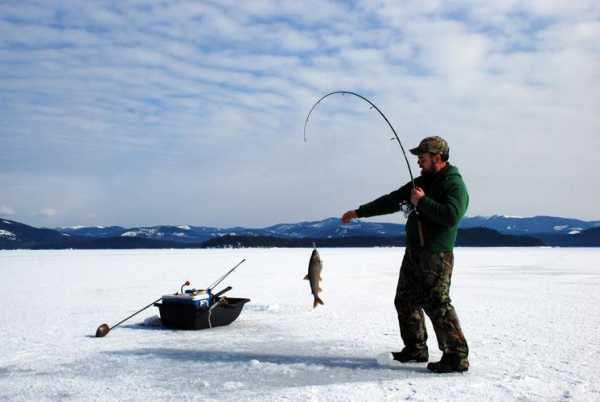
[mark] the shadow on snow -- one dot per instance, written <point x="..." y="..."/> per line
<point x="215" y="356"/>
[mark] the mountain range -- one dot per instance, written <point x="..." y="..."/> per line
<point x="496" y="230"/>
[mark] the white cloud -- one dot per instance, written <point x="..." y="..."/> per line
<point x="6" y="210"/>
<point x="47" y="212"/>
<point x="110" y="95"/>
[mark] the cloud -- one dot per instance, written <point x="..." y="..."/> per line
<point x="6" y="210"/>
<point x="47" y="212"/>
<point x="127" y="108"/>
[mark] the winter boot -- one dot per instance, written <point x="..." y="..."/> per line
<point x="411" y="355"/>
<point x="450" y="363"/>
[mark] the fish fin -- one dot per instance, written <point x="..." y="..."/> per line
<point x="319" y="289"/>
<point x="306" y="278"/>
<point x="317" y="302"/>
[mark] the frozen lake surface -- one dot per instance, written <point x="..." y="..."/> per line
<point x="531" y="317"/>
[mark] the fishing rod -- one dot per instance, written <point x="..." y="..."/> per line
<point x="215" y="283"/>
<point x="397" y="138"/>
<point x="104" y="329"/>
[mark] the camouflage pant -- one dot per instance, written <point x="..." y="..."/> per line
<point x="424" y="284"/>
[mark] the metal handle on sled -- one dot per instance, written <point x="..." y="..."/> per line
<point x="220" y="292"/>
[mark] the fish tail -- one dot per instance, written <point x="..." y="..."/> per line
<point x="317" y="302"/>
<point x="306" y="278"/>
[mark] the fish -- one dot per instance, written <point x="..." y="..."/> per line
<point x="314" y="276"/>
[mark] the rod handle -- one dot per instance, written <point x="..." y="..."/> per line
<point x="421" y="236"/>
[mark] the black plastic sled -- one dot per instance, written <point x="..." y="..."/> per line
<point x="190" y="316"/>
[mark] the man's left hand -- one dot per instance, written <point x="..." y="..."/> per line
<point x="416" y="195"/>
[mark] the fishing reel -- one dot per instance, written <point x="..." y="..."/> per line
<point x="407" y="208"/>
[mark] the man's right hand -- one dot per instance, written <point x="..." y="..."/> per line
<point x="348" y="216"/>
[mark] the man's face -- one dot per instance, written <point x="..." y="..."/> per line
<point x="426" y="163"/>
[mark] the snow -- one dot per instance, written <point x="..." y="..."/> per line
<point x="7" y="235"/>
<point x="560" y="227"/>
<point x="494" y="217"/>
<point x="77" y="227"/>
<point x="7" y="222"/>
<point x="530" y="315"/>
<point x="146" y="232"/>
<point x="184" y="227"/>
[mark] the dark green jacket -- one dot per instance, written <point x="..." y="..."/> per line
<point x="445" y="203"/>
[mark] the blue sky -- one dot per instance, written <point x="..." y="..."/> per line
<point x="148" y="112"/>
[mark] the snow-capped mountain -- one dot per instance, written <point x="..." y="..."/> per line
<point x="529" y="225"/>
<point x="92" y="231"/>
<point x="12" y="232"/>
<point x="551" y="231"/>
<point x="332" y="227"/>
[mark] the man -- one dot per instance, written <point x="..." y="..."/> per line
<point x="440" y="200"/>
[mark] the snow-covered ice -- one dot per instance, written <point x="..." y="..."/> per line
<point x="531" y="316"/>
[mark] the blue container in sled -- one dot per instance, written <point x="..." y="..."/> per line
<point x="197" y="298"/>
<point x="199" y="309"/>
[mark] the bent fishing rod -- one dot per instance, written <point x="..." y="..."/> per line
<point x="397" y="138"/>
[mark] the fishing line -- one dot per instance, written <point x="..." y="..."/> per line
<point x="373" y="106"/>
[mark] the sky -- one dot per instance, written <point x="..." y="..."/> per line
<point x="177" y="112"/>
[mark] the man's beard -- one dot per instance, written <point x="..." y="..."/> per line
<point x="427" y="172"/>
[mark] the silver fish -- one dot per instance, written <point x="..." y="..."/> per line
<point x="314" y="276"/>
